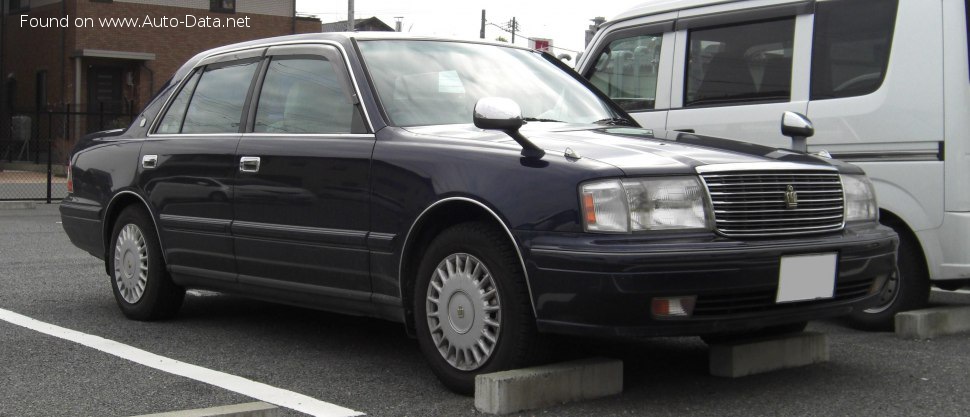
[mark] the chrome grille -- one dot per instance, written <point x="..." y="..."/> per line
<point x="753" y="203"/>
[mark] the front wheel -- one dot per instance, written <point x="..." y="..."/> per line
<point x="907" y="289"/>
<point x="141" y="285"/>
<point x="471" y="304"/>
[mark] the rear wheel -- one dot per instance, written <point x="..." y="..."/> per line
<point x="907" y="289"/>
<point x="472" y="309"/>
<point x="141" y="285"/>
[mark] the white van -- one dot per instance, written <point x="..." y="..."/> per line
<point x="886" y="83"/>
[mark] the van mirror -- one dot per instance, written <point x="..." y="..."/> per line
<point x="798" y="128"/>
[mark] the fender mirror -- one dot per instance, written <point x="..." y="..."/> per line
<point x="499" y="113"/>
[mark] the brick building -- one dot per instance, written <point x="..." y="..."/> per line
<point x="111" y="56"/>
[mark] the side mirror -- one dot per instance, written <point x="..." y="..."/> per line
<point x="798" y="128"/>
<point x="503" y="114"/>
<point x="497" y="113"/>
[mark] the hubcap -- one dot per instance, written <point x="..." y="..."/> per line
<point x="464" y="314"/>
<point x="131" y="263"/>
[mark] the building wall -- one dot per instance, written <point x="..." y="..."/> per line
<point x="28" y="50"/>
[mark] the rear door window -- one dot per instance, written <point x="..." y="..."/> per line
<point x="738" y="64"/>
<point x="851" y="47"/>
<point x="627" y="71"/>
<point x="172" y="122"/>
<point x="218" y="101"/>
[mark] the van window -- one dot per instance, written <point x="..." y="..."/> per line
<point x="739" y="63"/>
<point x="172" y="122"/>
<point x="627" y="71"/>
<point x="851" y="47"/>
<point x="303" y="96"/>
<point x="216" y="106"/>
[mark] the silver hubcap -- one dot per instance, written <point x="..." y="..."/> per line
<point x="464" y="313"/>
<point x="131" y="263"/>
<point x="888" y="295"/>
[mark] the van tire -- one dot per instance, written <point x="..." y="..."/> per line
<point x="909" y="287"/>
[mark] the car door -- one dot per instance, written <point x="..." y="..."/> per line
<point x="737" y="69"/>
<point x="302" y="183"/>
<point x="633" y="64"/>
<point x="188" y="162"/>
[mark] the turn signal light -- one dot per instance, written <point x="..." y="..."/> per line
<point x="671" y="307"/>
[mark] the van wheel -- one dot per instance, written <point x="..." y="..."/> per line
<point x="907" y="289"/>
<point x="471" y="306"/>
<point x="141" y="285"/>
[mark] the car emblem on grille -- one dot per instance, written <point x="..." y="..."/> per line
<point x="791" y="198"/>
<point x="461" y="312"/>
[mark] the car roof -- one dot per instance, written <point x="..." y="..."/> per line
<point x="342" y="38"/>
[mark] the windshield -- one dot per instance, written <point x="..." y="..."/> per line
<point x="438" y="82"/>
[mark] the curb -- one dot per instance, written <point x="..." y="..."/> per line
<point x="19" y="205"/>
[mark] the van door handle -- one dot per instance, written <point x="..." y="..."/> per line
<point x="684" y="130"/>
<point x="149" y="161"/>
<point x="249" y="164"/>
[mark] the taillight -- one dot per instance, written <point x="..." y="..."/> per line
<point x="70" y="179"/>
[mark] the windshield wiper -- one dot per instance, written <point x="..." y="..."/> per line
<point x="615" y="121"/>
<point x="536" y="119"/>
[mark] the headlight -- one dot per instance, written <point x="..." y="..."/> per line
<point x="625" y="205"/>
<point x="860" y="198"/>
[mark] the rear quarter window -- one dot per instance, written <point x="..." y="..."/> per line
<point x="851" y="47"/>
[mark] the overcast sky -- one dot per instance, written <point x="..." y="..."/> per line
<point x="562" y="21"/>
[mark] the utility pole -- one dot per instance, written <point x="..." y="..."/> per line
<point x="350" y="15"/>
<point x="512" y="27"/>
<point x="482" y="33"/>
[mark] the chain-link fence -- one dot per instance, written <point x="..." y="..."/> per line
<point x="35" y="148"/>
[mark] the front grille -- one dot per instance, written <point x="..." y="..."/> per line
<point x="727" y="304"/>
<point x="760" y="203"/>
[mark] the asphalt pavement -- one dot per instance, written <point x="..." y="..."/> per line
<point x="371" y="366"/>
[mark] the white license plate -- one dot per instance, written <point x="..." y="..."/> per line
<point x="806" y="277"/>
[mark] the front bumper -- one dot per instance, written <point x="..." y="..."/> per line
<point x="591" y="285"/>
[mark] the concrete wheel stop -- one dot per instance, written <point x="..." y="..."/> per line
<point x="542" y="386"/>
<point x="754" y="356"/>
<point x="932" y="322"/>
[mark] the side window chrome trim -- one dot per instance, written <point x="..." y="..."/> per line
<point x="263" y="48"/>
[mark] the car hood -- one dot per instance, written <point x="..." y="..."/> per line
<point x="642" y="151"/>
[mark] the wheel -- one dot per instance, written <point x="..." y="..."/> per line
<point x="471" y="306"/>
<point x="141" y="285"/>
<point x="718" y="338"/>
<point x="907" y="289"/>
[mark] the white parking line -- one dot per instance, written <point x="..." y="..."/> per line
<point x="259" y="391"/>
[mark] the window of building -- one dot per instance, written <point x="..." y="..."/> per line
<point x="627" y="71"/>
<point x="18" y="6"/>
<point x="739" y="63"/>
<point x="851" y="47"/>
<point x="222" y="6"/>
<point x="303" y="95"/>
<point x="217" y="103"/>
<point x="172" y="122"/>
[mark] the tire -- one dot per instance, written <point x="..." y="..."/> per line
<point x="489" y="325"/>
<point x="140" y="283"/>
<point x="907" y="289"/>
<point x="714" y="339"/>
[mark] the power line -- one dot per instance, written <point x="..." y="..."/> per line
<point x="530" y="37"/>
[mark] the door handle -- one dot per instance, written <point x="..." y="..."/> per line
<point x="249" y="164"/>
<point x="684" y="130"/>
<point x="149" y="161"/>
